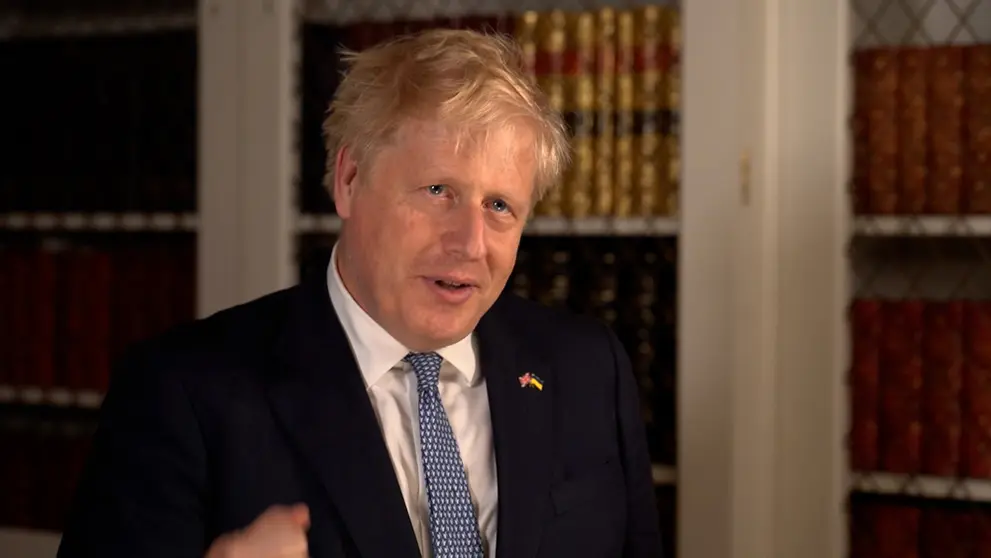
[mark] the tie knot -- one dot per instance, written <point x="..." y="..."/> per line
<point x="426" y="366"/>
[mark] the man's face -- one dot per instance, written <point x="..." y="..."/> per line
<point x="431" y="235"/>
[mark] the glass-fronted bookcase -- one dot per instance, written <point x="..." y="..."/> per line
<point x="165" y="162"/>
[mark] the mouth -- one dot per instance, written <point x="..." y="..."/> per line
<point x="454" y="285"/>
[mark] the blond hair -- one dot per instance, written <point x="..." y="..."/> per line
<point x="476" y="81"/>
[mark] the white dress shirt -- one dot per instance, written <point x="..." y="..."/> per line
<point x="391" y="386"/>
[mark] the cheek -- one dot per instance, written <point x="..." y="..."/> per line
<point x="501" y="259"/>
<point x="404" y="250"/>
<point x="418" y="241"/>
<point x="376" y="255"/>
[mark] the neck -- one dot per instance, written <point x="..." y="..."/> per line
<point x="345" y="269"/>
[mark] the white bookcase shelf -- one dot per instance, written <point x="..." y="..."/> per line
<point x="104" y="221"/>
<point x="55" y="397"/>
<point x="93" y="26"/>
<point x="538" y="226"/>
<point x="925" y="486"/>
<point x="923" y="226"/>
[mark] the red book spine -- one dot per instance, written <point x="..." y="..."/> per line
<point x="896" y="531"/>
<point x="149" y="308"/>
<point x="942" y="349"/>
<point x="977" y="391"/>
<point x="156" y="269"/>
<point x="75" y="321"/>
<point x="876" y="130"/>
<point x="861" y="526"/>
<point x="981" y="540"/>
<point x="977" y="103"/>
<point x="884" y="530"/>
<point x="19" y="495"/>
<point x="123" y="311"/>
<point x="866" y="325"/>
<point x="946" y="130"/>
<point x="901" y="386"/>
<point x="8" y="470"/>
<point x="913" y="167"/>
<point x="185" y="295"/>
<point x="7" y="324"/>
<point x="41" y="321"/>
<point x="96" y="340"/>
<point x="19" y="312"/>
<point x="947" y="533"/>
<point x="133" y="297"/>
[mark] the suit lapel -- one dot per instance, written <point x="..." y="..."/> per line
<point x="522" y="430"/>
<point x="321" y="400"/>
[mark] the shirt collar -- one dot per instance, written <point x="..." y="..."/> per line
<point x="375" y="350"/>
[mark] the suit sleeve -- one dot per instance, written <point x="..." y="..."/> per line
<point x="141" y="491"/>
<point x="643" y="536"/>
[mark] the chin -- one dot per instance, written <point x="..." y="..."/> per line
<point x="444" y="328"/>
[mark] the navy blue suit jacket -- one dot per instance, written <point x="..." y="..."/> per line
<point x="207" y="426"/>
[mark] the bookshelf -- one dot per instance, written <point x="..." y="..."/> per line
<point x="98" y="228"/>
<point x="919" y="270"/>
<point x="245" y="225"/>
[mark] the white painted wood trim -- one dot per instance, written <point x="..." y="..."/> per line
<point x="269" y="55"/>
<point x="789" y="293"/>
<point x="28" y="543"/>
<point x="248" y="165"/>
<point x="812" y="165"/>
<point x="710" y="144"/>
<point x="217" y="265"/>
<point x="755" y="258"/>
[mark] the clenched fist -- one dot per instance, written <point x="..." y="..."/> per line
<point x="279" y="532"/>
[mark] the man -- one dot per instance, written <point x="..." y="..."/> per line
<point x="398" y="403"/>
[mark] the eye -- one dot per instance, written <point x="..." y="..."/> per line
<point x="437" y="189"/>
<point x="500" y="206"/>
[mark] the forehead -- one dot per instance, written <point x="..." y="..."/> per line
<point x="430" y="147"/>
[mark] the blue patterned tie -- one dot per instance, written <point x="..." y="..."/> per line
<point x="453" y="527"/>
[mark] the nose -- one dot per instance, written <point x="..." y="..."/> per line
<point x="465" y="237"/>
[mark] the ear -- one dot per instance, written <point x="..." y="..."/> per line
<point x="345" y="178"/>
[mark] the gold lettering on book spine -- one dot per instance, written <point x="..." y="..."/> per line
<point x="670" y="178"/>
<point x="580" y="92"/>
<point x="647" y="157"/>
<point x="623" y="147"/>
<point x="526" y="36"/>
<point x="605" y="98"/>
<point x="551" y="44"/>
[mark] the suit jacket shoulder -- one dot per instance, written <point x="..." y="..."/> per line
<point x="219" y="349"/>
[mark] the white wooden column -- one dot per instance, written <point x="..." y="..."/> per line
<point x="247" y="159"/>
<point x="811" y="161"/>
<point x="710" y="142"/>
<point x="217" y="264"/>
<point x="790" y="293"/>
<point x="754" y="321"/>
<point x="762" y="353"/>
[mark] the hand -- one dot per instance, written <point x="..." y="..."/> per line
<point x="279" y="532"/>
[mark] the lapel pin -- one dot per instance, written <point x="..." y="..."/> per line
<point x="530" y="380"/>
